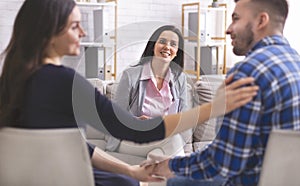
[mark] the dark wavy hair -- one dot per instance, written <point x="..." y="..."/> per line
<point x="149" y="50"/>
<point x="36" y="23"/>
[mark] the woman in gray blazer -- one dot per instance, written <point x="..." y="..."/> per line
<point x="156" y="86"/>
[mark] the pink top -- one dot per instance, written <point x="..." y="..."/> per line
<point x="157" y="102"/>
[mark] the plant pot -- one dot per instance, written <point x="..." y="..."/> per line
<point x="215" y="4"/>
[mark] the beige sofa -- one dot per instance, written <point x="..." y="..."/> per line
<point x="199" y="92"/>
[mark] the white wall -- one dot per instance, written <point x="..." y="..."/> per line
<point x="8" y="11"/>
<point x="137" y="19"/>
<point x="291" y="30"/>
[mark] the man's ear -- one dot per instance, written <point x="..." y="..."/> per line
<point x="263" y="20"/>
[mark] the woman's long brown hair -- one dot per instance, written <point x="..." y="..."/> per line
<point x="36" y="23"/>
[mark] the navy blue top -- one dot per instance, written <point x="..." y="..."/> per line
<point x="58" y="97"/>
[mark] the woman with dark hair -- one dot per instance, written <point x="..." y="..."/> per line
<point x="149" y="52"/>
<point x="156" y="86"/>
<point x="36" y="91"/>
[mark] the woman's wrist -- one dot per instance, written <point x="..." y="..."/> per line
<point x="131" y="171"/>
<point x="218" y="108"/>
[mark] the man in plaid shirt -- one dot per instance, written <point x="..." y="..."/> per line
<point x="235" y="156"/>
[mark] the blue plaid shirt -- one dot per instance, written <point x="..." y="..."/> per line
<point x="238" y="149"/>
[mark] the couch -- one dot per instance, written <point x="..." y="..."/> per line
<point x="199" y="92"/>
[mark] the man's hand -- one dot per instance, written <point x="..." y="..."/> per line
<point x="159" y="166"/>
<point x="231" y="95"/>
<point x="143" y="173"/>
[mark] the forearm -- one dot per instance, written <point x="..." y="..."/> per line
<point x="103" y="161"/>
<point x="182" y="121"/>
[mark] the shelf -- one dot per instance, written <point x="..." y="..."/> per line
<point x="90" y="4"/>
<point x="100" y="45"/>
<point x="202" y="41"/>
<point x="213" y="42"/>
<point x="213" y="8"/>
<point x="95" y="44"/>
<point x="194" y="8"/>
<point x="92" y="44"/>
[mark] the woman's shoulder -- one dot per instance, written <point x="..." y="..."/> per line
<point x="179" y="77"/>
<point x="56" y="69"/>
<point x="133" y="69"/>
<point x="54" y="75"/>
<point x="132" y="72"/>
<point x="50" y="71"/>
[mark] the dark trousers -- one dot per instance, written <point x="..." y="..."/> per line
<point x="103" y="178"/>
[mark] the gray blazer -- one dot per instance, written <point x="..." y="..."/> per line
<point x="131" y="90"/>
<point x="130" y="95"/>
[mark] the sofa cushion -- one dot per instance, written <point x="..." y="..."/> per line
<point x="130" y="159"/>
<point x="205" y="131"/>
<point x="205" y="90"/>
<point x="110" y="89"/>
<point x="169" y="146"/>
<point x="96" y="82"/>
<point x="98" y="142"/>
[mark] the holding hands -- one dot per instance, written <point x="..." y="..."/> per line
<point x="159" y="165"/>
<point x="144" y="173"/>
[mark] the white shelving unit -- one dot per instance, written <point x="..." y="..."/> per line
<point x="100" y="44"/>
<point x="203" y="35"/>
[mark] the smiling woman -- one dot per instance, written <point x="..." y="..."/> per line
<point x="156" y="86"/>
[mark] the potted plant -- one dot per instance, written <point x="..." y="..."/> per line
<point x="215" y="3"/>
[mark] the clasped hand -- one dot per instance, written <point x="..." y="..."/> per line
<point x="158" y="167"/>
